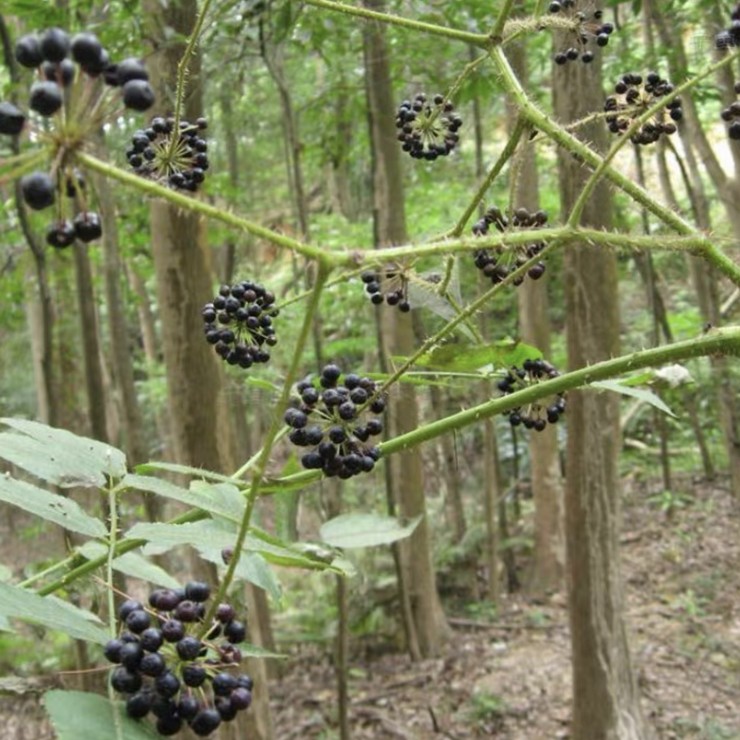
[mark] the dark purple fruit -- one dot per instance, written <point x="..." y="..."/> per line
<point x="60" y="234"/>
<point x="28" y="51"/>
<point x="54" y="44"/>
<point x="46" y="97"/>
<point x="125" y="682"/>
<point x="205" y="722"/>
<point x="87" y="226"/>
<point x="86" y="49"/>
<point x="130" y="69"/>
<point x="11" y="119"/>
<point x="138" y="95"/>
<point x="63" y="73"/>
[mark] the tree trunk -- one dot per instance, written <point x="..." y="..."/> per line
<point x="390" y="228"/>
<point x="548" y="566"/>
<point x="201" y="421"/>
<point x="122" y="365"/>
<point x="606" y="704"/>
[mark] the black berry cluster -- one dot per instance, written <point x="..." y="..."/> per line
<point x="538" y="415"/>
<point x="64" y="65"/>
<point x="390" y="285"/>
<point x="238" y="322"/>
<point x="336" y="420"/>
<point x="73" y="74"/>
<point x="428" y="130"/>
<point x="178" y="159"/>
<point x="170" y="665"/>
<point x="497" y="263"/>
<point x="633" y="97"/>
<point x="588" y="27"/>
<point x="731" y="115"/>
<point x="731" y="36"/>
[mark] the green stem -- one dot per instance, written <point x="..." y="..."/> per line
<point x="478" y="39"/>
<point x="276" y="426"/>
<point x="505" y="155"/>
<point x="112" y="539"/>
<point x="503" y="15"/>
<point x="725" y="340"/>
<point x="206" y="209"/>
<point x="716" y="341"/>
<point x="182" y="69"/>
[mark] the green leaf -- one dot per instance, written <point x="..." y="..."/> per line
<point x="184" y="470"/>
<point x="255" y="651"/>
<point x="163" y="536"/>
<point x="366" y="530"/>
<point x="78" y="715"/>
<point x="19" y="603"/>
<point x="460" y="358"/>
<point x="132" y="564"/>
<point x="58" y="456"/>
<point x="50" y="506"/>
<point x="640" y="393"/>
<point x="221" y="499"/>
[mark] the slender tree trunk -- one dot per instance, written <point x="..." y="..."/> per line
<point x="96" y="407"/>
<point x="122" y="362"/>
<point x="606" y="703"/>
<point x="431" y="625"/>
<point x="548" y="567"/>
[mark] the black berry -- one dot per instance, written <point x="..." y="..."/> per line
<point x="138" y="95"/>
<point x="46" y="97"/>
<point x="54" y="44"/>
<point x="11" y="119"/>
<point x="28" y="51"/>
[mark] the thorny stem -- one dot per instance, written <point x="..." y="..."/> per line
<point x="182" y="71"/>
<point x="206" y="209"/>
<point x="717" y="341"/>
<point x="503" y="15"/>
<point x="477" y="39"/>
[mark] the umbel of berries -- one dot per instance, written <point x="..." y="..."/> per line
<point x="428" y="129"/>
<point x="238" y="323"/>
<point x="498" y="262"/>
<point x="731" y="115"/>
<point x="73" y="75"/>
<point x="537" y="415"/>
<point x="178" y="159"/>
<point x="587" y="30"/>
<point x="336" y="421"/>
<point x="389" y="285"/>
<point x="174" y="666"/>
<point x="633" y="96"/>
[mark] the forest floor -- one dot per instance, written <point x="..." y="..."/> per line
<point x="509" y="677"/>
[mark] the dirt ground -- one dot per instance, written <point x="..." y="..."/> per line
<point x="510" y="678"/>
